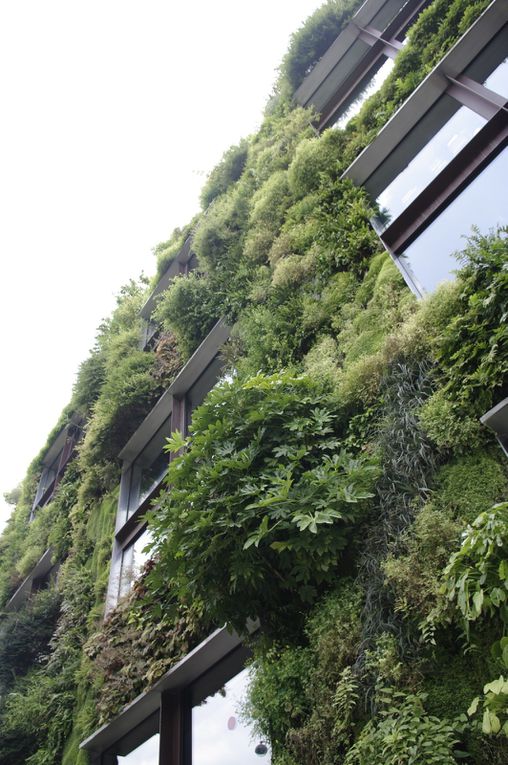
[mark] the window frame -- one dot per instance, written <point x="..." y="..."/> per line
<point x="446" y="78"/>
<point x="130" y="524"/>
<point x="212" y="663"/>
<point x="341" y="79"/>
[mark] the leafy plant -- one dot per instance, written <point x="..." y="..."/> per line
<point x="260" y="506"/>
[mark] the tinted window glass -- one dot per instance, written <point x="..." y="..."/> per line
<point x="219" y="735"/>
<point x="483" y="204"/>
<point x="423" y="168"/>
<point x="149" y="468"/>
<point x="363" y="92"/>
<point x="133" y="560"/>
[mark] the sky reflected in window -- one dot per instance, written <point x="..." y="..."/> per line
<point x="219" y="736"/>
<point x="146" y="754"/>
<point x="430" y="259"/>
<point x="423" y="168"/>
<point x="365" y="92"/>
<point x="498" y="79"/>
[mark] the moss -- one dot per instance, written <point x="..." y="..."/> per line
<point x="470" y="484"/>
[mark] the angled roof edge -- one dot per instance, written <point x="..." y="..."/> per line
<point x="428" y="92"/>
<point x="42" y="567"/>
<point x="181" y="258"/>
<point x="184" y="380"/>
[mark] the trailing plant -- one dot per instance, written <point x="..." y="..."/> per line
<point x="260" y="504"/>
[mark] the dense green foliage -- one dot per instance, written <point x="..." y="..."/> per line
<point x="337" y="484"/>
<point x="260" y="504"/>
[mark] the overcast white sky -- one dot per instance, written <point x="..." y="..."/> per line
<point x="112" y="114"/>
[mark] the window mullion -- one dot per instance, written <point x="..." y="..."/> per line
<point x="475" y="96"/>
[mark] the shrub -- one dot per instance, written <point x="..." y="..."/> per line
<point x="225" y="173"/>
<point x="261" y="503"/>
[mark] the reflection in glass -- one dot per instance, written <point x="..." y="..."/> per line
<point x="133" y="560"/>
<point x="146" y="754"/>
<point x="149" y="468"/>
<point x="423" y="168"/>
<point x="364" y="91"/>
<point x="219" y="735"/>
<point x="498" y="79"/>
<point x="430" y="259"/>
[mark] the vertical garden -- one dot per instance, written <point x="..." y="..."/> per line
<point x="337" y="484"/>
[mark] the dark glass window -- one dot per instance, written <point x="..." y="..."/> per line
<point x="369" y="85"/>
<point x="203" y="385"/>
<point x="429" y="259"/>
<point x="134" y="558"/>
<point x="149" y="468"/>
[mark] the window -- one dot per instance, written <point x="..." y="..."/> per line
<point x="358" y="61"/>
<point x="220" y="736"/>
<point x="192" y="716"/>
<point x="145" y="462"/>
<point x="430" y="259"/>
<point x="437" y="168"/>
<point x="183" y="263"/>
<point x="497" y="420"/>
<point x="372" y="82"/>
<point x="148" y="469"/>
<point x="55" y="462"/>
<point x="134" y="557"/>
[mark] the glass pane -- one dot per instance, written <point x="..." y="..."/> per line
<point x="202" y="386"/>
<point x="146" y="754"/>
<point x="498" y="80"/>
<point x="219" y="736"/>
<point x="149" y="468"/>
<point x="133" y="560"/>
<point x="365" y="90"/>
<point x="483" y="204"/>
<point x="423" y="168"/>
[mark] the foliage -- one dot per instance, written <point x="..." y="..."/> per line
<point x="314" y="37"/>
<point x="474" y="348"/>
<point x="189" y="310"/>
<point x="225" y="173"/>
<point x="25" y="636"/>
<point x="476" y="578"/>
<point x="404" y="733"/>
<point x="261" y="502"/>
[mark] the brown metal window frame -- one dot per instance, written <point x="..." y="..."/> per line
<point x="447" y="78"/>
<point x="172" y="404"/>
<point x="167" y="708"/>
<point x="455" y="177"/>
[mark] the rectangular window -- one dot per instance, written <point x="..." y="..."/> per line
<point x="482" y="204"/>
<point x="369" y="85"/>
<point x="414" y="175"/>
<point x="220" y="735"/>
<point x="134" y="558"/>
<point x="149" y="468"/>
